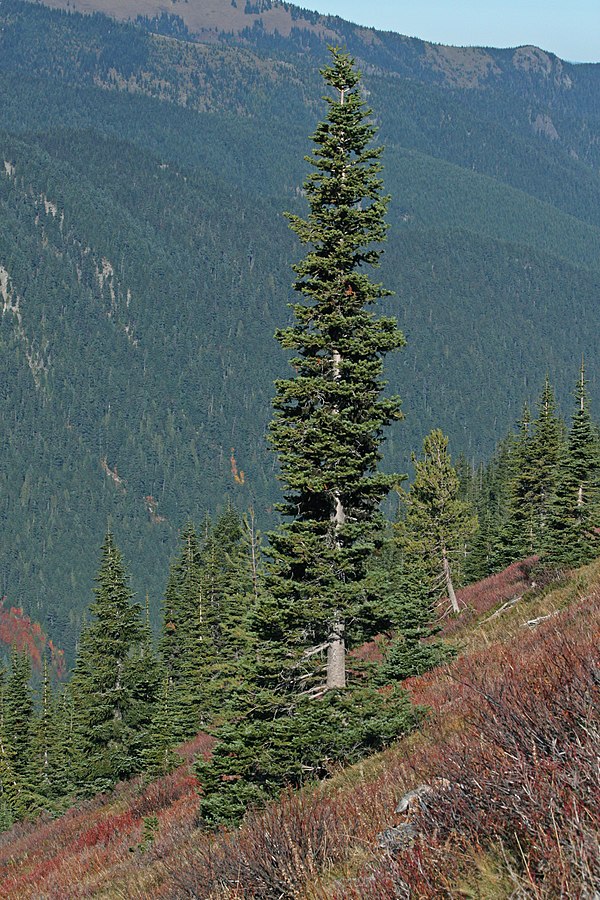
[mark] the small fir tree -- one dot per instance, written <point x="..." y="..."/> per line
<point x="438" y="522"/>
<point x="9" y="782"/>
<point x="18" y="712"/>
<point x="160" y="757"/>
<point x="230" y="580"/>
<point x="539" y="450"/>
<point x="490" y="493"/>
<point x="23" y="788"/>
<point x="516" y="537"/>
<point x="144" y="682"/>
<point x="103" y="694"/>
<point x="571" y="538"/>
<point x="186" y="646"/>
<point x="404" y="586"/>
<point x="548" y="449"/>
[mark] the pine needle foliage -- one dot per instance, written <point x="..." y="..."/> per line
<point x="185" y="645"/>
<point x="299" y="719"/>
<point x="104" y="684"/>
<point x="571" y="538"/>
<point x="329" y="418"/>
<point x="438" y="521"/>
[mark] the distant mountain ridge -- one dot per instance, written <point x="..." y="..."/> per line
<point x="201" y="20"/>
<point x="201" y="17"/>
<point x="145" y="262"/>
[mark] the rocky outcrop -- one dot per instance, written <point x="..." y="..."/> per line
<point x="402" y="835"/>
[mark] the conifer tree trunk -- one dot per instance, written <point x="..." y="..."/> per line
<point x="336" y="657"/>
<point x="448" y="580"/>
<point x="336" y="644"/>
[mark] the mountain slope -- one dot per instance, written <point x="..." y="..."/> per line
<point x="145" y="264"/>
<point x="509" y="746"/>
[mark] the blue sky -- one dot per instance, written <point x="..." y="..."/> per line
<point x="571" y="30"/>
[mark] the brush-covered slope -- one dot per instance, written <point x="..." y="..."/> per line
<point x="508" y="747"/>
<point x="145" y="262"/>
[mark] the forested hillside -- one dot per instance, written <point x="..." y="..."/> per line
<point x="145" y="263"/>
<point x="144" y="269"/>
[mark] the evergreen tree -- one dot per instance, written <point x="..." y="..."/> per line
<point x="571" y="538"/>
<point x="9" y="784"/>
<point x="329" y="418"/>
<point x="438" y="523"/>
<point x="101" y="687"/>
<point x="186" y="644"/>
<point x="221" y="576"/>
<point x="51" y="750"/>
<point x="230" y="580"/>
<point x="404" y="586"/>
<point x="516" y="538"/>
<point x="59" y="741"/>
<point x="18" y="712"/>
<point x="252" y="549"/>
<point x="296" y="718"/>
<point x="24" y="795"/>
<point x="159" y="756"/>
<point x="144" y="681"/>
<point x="490" y="496"/>
<point x="548" y="446"/>
<point x="42" y="741"/>
<point x="539" y="449"/>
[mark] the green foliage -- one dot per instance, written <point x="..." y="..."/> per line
<point x="18" y="712"/>
<point x="149" y="832"/>
<point x="329" y="419"/>
<point x="110" y="688"/>
<point x="165" y="732"/>
<point x="22" y="792"/>
<point x="209" y="593"/>
<point x="404" y="587"/>
<point x="258" y="756"/>
<point x="534" y="480"/>
<point x="571" y="538"/>
<point x="186" y="644"/>
<point x="230" y="581"/>
<point x="489" y="489"/>
<point x="491" y="222"/>
<point x="327" y="432"/>
<point x="438" y="523"/>
<point x="46" y="750"/>
<point x="539" y="493"/>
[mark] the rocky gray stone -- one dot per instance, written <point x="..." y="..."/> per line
<point x="413" y="799"/>
<point x="401" y="837"/>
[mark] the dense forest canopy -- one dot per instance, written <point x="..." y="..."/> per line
<point x="144" y="267"/>
<point x="145" y="264"/>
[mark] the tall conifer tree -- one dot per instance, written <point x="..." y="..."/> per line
<point x="295" y="720"/>
<point x="329" y="418"/>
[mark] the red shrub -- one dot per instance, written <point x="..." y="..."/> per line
<point x="483" y="596"/>
<point x="18" y="630"/>
<point x="105" y="830"/>
<point x="514" y="733"/>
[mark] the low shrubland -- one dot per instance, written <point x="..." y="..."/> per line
<point x="509" y="752"/>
